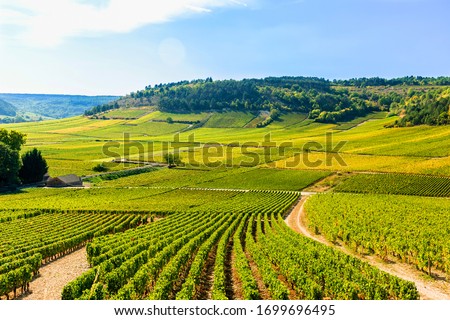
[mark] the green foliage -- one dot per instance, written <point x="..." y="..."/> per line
<point x="7" y="109"/>
<point x="430" y="107"/>
<point x="13" y="139"/>
<point x="25" y="243"/>
<point x="229" y="120"/>
<point x="163" y="200"/>
<point x="34" y="167"/>
<point x="100" y="168"/>
<point x="10" y="165"/>
<point x="10" y="144"/>
<point x="276" y="288"/>
<point x="269" y="179"/>
<point x="153" y="261"/>
<point x="243" y="270"/>
<point x="126" y="113"/>
<point x="409" y="81"/>
<point x="360" y="120"/>
<point x="172" y="159"/>
<point x="319" y="272"/>
<point x="232" y="178"/>
<point x="416" y="230"/>
<point x="119" y="174"/>
<point x="401" y="184"/>
<point x="297" y="94"/>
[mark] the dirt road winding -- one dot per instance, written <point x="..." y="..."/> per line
<point x="438" y="289"/>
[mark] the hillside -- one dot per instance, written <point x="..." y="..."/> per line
<point x="422" y="100"/>
<point x="235" y="175"/>
<point x="76" y="145"/>
<point x="7" y="109"/>
<point x="53" y="106"/>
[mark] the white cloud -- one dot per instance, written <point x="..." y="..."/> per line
<point x="50" y="22"/>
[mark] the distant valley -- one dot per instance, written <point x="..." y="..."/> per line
<point x="35" y="107"/>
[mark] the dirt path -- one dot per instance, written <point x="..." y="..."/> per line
<point x="55" y="275"/>
<point x="438" y="289"/>
<point x="207" y="276"/>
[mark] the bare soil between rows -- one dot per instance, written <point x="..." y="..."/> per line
<point x="55" y="275"/>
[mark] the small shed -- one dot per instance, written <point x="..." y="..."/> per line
<point x="46" y="177"/>
<point x="70" y="180"/>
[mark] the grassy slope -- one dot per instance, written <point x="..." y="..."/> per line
<point x="229" y="120"/>
<point x="271" y="179"/>
<point x="397" y="184"/>
<point x="126" y="113"/>
<point x="74" y="145"/>
<point x="237" y="178"/>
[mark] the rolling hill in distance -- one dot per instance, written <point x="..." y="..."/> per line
<point x="7" y="109"/>
<point x="420" y="100"/>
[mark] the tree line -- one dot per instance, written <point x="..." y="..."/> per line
<point x="405" y="81"/>
<point x="324" y="100"/>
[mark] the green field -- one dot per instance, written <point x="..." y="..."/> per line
<point x="12" y="214"/>
<point x="360" y="120"/>
<point x="415" y="230"/>
<point x="269" y="179"/>
<point x="111" y="199"/>
<point x="126" y="113"/>
<point x="237" y="178"/>
<point x="46" y="238"/>
<point x="397" y="184"/>
<point x="229" y="120"/>
<point x="74" y="145"/>
<point x="193" y="117"/>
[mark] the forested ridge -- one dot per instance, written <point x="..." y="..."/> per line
<point x="419" y="100"/>
<point x="7" y="109"/>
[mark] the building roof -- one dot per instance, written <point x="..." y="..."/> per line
<point x="69" y="179"/>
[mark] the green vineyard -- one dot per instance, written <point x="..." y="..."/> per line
<point x="242" y="243"/>
<point x="227" y="222"/>
<point x="402" y="184"/>
<point x="413" y="229"/>
<point x="27" y="243"/>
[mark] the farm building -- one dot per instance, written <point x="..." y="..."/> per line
<point x="70" y="180"/>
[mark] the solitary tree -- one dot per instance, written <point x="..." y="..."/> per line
<point x="172" y="159"/>
<point x="34" y="167"/>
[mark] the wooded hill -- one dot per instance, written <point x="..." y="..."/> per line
<point x="419" y="100"/>
<point x="7" y="109"/>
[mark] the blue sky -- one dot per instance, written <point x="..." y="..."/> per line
<point x="119" y="46"/>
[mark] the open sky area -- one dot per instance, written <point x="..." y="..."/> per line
<point x="119" y="46"/>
